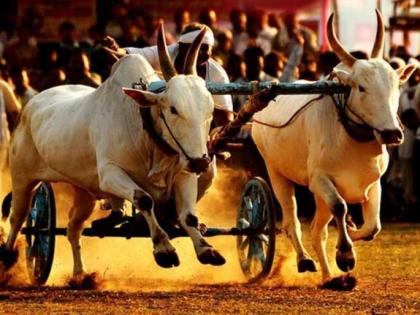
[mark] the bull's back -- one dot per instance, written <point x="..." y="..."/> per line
<point x="57" y="120"/>
<point x="285" y="144"/>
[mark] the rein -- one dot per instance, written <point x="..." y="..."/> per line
<point x="360" y="132"/>
<point x="146" y="116"/>
<point x="164" y="146"/>
<point x="291" y="119"/>
<point x="175" y="139"/>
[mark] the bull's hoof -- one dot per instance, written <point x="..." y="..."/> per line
<point x="8" y="257"/>
<point x="167" y="259"/>
<point x="306" y="265"/>
<point x="85" y="281"/>
<point x="345" y="260"/>
<point x="211" y="257"/>
<point x="342" y="283"/>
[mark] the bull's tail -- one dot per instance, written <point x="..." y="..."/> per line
<point x="6" y="205"/>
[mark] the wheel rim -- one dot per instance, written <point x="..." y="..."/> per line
<point x="256" y="212"/>
<point x="41" y="243"/>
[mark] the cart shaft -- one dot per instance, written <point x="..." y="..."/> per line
<point x="118" y="232"/>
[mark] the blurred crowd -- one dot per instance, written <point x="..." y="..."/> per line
<point x="257" y="45"/>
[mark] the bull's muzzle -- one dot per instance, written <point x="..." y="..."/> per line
<point x="392" y="136"/>
<point x="199" y="165"/>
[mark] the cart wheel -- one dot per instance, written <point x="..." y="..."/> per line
<point x="41" y="234"/>
<point x="257" y="213"/>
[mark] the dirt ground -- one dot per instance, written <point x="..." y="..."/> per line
<point x="387" y="271"/>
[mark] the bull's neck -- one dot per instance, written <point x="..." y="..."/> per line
<point x="346" y="140"/>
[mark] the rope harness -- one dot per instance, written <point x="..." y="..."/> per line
<point x="147" y="119"/>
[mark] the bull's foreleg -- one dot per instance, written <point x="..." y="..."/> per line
<point x="186" y="196"/>
<point x="324" y="188"/>
<point x="371" y="218"/>
<point x="114" y="180"/>
<point x="83" y="205"/>
<point x="285" y="194"/>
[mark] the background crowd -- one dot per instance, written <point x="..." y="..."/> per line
<point x="256" y="46"/>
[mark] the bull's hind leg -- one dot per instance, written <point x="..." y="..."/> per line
<point x="371" y="218"/>
<point x="285" y="194"/>
<point x="83" y="205"/>
<point x="115" y="181"/>
<point x="324" y="189"/>
<point x="20" y="209"/>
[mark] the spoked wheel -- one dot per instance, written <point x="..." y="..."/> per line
<point x="40" y="228"/>
<point x="257" y="214"/>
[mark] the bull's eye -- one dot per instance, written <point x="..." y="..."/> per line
<point x="173" y="110"/>
<point x="362" y="89"/>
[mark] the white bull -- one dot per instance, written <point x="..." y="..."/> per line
<point x="95" y="140"/>
<point x="339" y="156"/>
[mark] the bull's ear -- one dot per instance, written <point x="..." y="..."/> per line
<point x="404" y="73"/>
<point x="143" y="98"/>
<point x="344" y="77"/>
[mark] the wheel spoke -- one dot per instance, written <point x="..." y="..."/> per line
<point x="244" y="244"/>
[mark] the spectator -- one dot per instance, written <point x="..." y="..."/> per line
<point x="254" y="61"/>
<point x="181" y="20"/>
<point x="266" y="34"/>
<point x="209" y="17"/>
<point x="224" y="47"/>
<point x="24" y="51"/>
<point x="273" y="65"/>
<point x="53" y="77"/>
<point x="308" y="68"/>
<point x="68" y="43"/>
<point x="326" y="63"/>
<point x="236" y="69"/>
<point x="78" y="71"/>
<point x="238" y="19"/>
<point x="23" y="89"/>
<point x="151" y="30"/>
<point x="275" y="21"/>
<point x="130" y="35"/>
<point x="286" y="39"/>
<point x="118" y="14"/>
<point x="52" y="74"/>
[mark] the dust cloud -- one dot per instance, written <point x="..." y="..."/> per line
<point x="128" y="265"/>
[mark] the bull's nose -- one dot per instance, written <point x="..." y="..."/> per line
<point x="392" y="136"/>
<point x="199" y="165"/>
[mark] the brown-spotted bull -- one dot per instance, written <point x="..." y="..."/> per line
<point x="338" y="152"/>
<point x="96" y="141"/>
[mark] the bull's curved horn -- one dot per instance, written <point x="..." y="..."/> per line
<point x="378" y="47"/>
<point x="342" y="54"/>
<point x="191" y="58"/>
<point x="166" y="65"/>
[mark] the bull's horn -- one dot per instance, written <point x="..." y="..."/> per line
<point x="342" y="54"/>
<point x="166" y="65"/>
<point x="191" y="58"/>
<point x="378" y="47"/>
